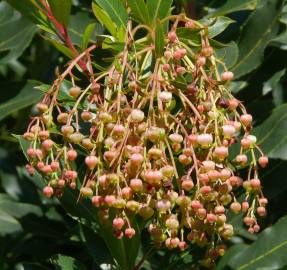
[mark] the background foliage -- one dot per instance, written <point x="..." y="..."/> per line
<point x="36" y="233"/>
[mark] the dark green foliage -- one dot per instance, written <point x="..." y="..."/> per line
<point x="36" y="233"/>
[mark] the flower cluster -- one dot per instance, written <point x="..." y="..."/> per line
<point x="155" y="133"/>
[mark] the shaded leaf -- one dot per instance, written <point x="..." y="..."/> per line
<point x="269" y="85"/>
<point x="79" y="24"/>
<point x="61" y="10"/>
<point x="229" y="256"/>
<point x="255" y="36"/>
<point x="272" y="135"/>
<point x="16" y="33"/>
<point x="228" y="54"/>
<point x="159" y="40"/>
<point x="221" y="23"/>
<point x="234" y="5"/>
<point x="29" y="10"/>
<point x="139" y="11"/>
<point x="27" y="96"/>
<point x="267" y="252"/>
<point x="104" y="19"/>
<point x="68" y="263"/>
<point x="158" y="9"/>
<point x="8" y="224"/>
<point x="116" y="10"/>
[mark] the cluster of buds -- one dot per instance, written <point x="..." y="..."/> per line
<point x="155" y="133"/>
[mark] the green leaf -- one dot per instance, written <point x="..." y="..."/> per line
<point x="256" y="35"/>
<point x="87" y="35"/>
<point x="29" y="10"/>
<point x="61" y="10"/>
<point x="217" y="27"/>
<point x="139" y="11"/>
<point x="116" y="10"/>
<point x="281" y="40"/>
<point x="61" y="48"/>
<point x="237" y="86"/>
<point x="68" y="263"/>
<point x="267" y="252"/>
<point x="16" y="33"/>
<point x="158" y="9"/>
<point x="228" y="54"/>
<point x="104" y="19"/>
<point x="79" y="24"/>
<point x="230" y="254"/>
<point x="232" y="6"/>
<point x="272" y="135"/>
<point x="8" y="224"/>
<point x="159" y="40"/>
<point x="27" y="96"/>
<point x="19" y="210"/>
<point x="124" y="251"/>
<point x="274" y="85"/>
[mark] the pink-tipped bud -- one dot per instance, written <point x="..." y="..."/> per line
<point x="47" y="144"/>
<point x="227" y="76"/>
<point x="263" y="161"/>
<point x="201" y="61"/>
<point x="55" y="166"/>
<point x="246" y="119"/>
<point x="261" y="211"/>
<point x="130" y="232"/>
<point x="255" y="183"/>
<point x="187" y="185"/>
<point x="166" y="67"/>
<point x="245" y="206"/>
<point x="245" y="143"/>
<point x="235" y="207"/>
<point x="118" y="223"/>
<point x="136" y="185"/>
<point x="97" y="201"/>
<point x="172" y="36"/>
<point x="75" y="91"/>
<point x="136" y="159"/>
<point x="91" y="162"/>
<point x="242" y="159"/>
<point x="204" y="139"/>
<point x="71" y="155"/>
<point x="137" y="116"/>
<point x="228" y="131"/>
<point x="221" y="152"/>
<point x="48" y="191"/>
<point x="211" y="218"/>
<point x="165" y="96"/>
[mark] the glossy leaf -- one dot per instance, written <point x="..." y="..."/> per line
<point x="27" y="96"/>
<point x="116" y="10"/>
<point x="68" y="263"/>
<point x="217" y="27"/>
<point x="104" y="19"/>
<point x="273" y="82"/>
<point x="29" y="9"/>
<point x="228" y="54"/>
<point x="256" y="35"/>
<point x="267" y="252"/>
<point x="158" y="9"/>
<point x="272" y="135"/>
<point x="234" y="5"/>
<point x="16" y="33"/>
<point x="230" y="254"/>
<point x="159" y="40"/>
<point x="80" y="28"/>
<point x="87" y="35"/>
<point x="61" y="10"/>
<point x="8" y="224"/>
<point x="139" y="11"/>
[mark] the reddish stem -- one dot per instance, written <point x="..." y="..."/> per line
<point x="62" y="32"/>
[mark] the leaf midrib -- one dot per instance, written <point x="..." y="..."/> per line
<point x="263" y="255"/>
